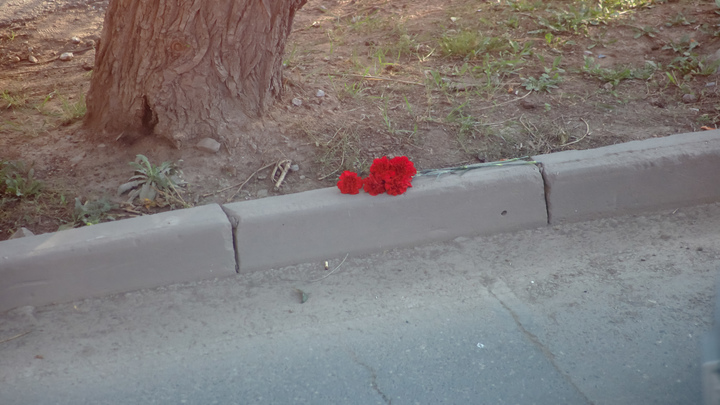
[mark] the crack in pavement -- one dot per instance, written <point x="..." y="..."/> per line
<point x="536" y="341"/>
<point x="373" y="376"/>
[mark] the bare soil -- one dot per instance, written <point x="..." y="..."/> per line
<point x="397" y="80"/>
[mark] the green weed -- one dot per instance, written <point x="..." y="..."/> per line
<point x="470" y="44"/>
<point x="548" y="80"/>
<point x="72" y="111"/>
<point x="618" y="74"/>
<point x="92" y="212"/>
<point x="18" y="180"/>
<point x="149" y="180"/>
<point x="465" y="123"/>
<point x="13" y="100"/>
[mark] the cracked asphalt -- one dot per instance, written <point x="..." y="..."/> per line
<point x="601" y="312"/>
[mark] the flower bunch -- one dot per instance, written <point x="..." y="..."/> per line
<point x="393" y="176"/>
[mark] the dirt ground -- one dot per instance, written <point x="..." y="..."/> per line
<point x="445" y="83"/>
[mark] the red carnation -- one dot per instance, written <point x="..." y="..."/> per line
<point x="397" y="185"/>
<point x="381" y="165"/>
<point x="373" y="185"/>
<point x="350" y="183"/>
<point x="403" y="167"/>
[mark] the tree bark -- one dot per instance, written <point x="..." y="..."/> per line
<point x="187" y="69"/>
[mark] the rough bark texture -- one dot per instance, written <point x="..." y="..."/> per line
<point x="187" y="69"/>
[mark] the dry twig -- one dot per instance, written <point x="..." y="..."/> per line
<point x="387" y="79"/>
<point x="283" y="166"/>
<point x="507" y="102"/>
<point x="18" y="336"/>
<point x="243" y="183"/>
<point x="587" y="132"/>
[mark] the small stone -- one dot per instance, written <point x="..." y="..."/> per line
<point x="21" y="233"/>
<point x="77" y="158"/>
<point x="32" y="59"/>
<point x="90" y="42"/>
<point x="30" y="49"/>
<point x="15" y="58"/>
<point x="302" y="177"/>
<point x="66" y="56"/>
<point x="710" y="84"/>
<point x="102" y="145"/>
<point x="294" y="168"/>
<point x="297" y="102"/>
<point x="689" y="98"/>
<point x="75" y="40"/>
<point x="608" y="86"/>
<point x="262" y="176"/>
<point x="208" y="145"/>
<point x="262" y="193"/>
<point x="320" y="93"/>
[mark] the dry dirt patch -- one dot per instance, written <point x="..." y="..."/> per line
<point x="445" y="83"/>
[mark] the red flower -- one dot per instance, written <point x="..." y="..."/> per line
<point x="381" y="165"/>
<point x="397" y="185"/>
<point x="350" y="183"/>
<point x="373" y="185"/>
<point x="403" y="167"/>
<point x="393" y="176"/>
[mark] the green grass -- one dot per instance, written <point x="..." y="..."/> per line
<point x="72" y="111"/>
<point x="13" y="99"/>
<point x="471" y="44"/>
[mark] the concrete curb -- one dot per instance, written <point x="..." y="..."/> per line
<point x="143" y="252"/>
<point x="653" y="174"/>
<point x="323" y="223"/>
<point x="197" y="243"/>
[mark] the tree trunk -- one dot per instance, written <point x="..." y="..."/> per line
<point x="187" y="69"/>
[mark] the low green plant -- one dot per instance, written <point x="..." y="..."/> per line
<point x="149" y="180"/>
<point x="466" y="125"/>
<point x="679" y="19"/>
<point x="611" y="75"/>
<point x="18" y="180"/>
<point x="72" y="111"/>
<point x="13" y="100"/>
<point x="692" y="65"/>
<point x="471" y="44"/>
<point x="548" y="80"/>
<point x="354" y="89"/>
<point x="647" y="30"/>
<point x="684" y="46"/>
<point x="92" y="211"/>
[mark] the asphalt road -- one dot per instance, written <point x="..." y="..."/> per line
<point x="602" y="312"/>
